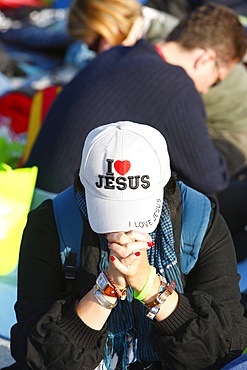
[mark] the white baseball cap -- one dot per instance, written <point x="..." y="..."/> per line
<point x="124" y="169"/>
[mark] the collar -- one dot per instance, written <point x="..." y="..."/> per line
<point x="158" y="49"/>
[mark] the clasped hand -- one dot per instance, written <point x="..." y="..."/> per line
<point x="128" y="264"/>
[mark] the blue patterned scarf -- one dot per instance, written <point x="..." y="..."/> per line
<point x="124" y="328"/>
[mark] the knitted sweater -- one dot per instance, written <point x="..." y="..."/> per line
<point x="129" y="83"/>
<point x="208" y="323"/>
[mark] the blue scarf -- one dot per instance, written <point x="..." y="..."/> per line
<point x="123" y="328"/>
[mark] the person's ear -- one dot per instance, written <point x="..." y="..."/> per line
<point x="204" y="57"/>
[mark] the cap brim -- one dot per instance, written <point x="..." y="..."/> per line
<point x="107" y="215"/>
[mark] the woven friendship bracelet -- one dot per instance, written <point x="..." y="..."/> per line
<point x="121" y="293"/>
<point x="148" y="285"/>
<point x="164" y="292"/>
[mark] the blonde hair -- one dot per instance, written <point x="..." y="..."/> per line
<point x="110" y="19"/>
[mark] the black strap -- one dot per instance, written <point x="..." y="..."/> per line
<point x="70" y="271"/>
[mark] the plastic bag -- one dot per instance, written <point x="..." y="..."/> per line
<point x="16" y="193"/>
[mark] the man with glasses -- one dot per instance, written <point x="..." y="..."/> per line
<point x="159" y="85"/>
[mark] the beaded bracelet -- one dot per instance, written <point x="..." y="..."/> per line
<point x="148" y="285"/>
<point x="164" y="292"/>
<point x="102" y="300"/>
<point x="121" y="293"/>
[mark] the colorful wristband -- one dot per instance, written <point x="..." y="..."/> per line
<point x="148" y="285"/>
<point x="154" y="306"/>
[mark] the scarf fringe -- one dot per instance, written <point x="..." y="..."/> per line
<point x="121" y="321"/>
<point x="120" y="344"/>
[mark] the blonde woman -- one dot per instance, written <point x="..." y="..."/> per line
<point x="107" y="23"/>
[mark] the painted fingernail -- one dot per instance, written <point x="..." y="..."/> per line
<point x="150" y="244"/>
<point x="137" y="254"/>
<point x="112" y="258"/>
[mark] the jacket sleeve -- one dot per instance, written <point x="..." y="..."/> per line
<point x="49" y="334"/>
<point x="208" y="328"/>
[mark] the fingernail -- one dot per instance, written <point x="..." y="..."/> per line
<point x="137" y="254"/>
<point x="112" y="258"/>
<point x="150" y="244"/>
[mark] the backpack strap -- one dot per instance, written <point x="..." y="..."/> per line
<point x="70" y="230"/>
<point x="195" y="219"/>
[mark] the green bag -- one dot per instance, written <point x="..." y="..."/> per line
<point x="16" y="193"/>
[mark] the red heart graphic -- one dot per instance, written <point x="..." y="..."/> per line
<point x="122" y="167"/>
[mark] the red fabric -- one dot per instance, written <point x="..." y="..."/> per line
<point x="49" y="95"/>
<point x="158" y="50"/>
<point x="18" y="3"/>
<point x="16" y="106"/>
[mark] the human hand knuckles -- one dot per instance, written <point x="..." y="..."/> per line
<point x="127" y="249"/>
<point x="138" y="236"/>
<point x="119" y="250"/>
<point x="128" y="237"/>
<point x="119" y="238"/>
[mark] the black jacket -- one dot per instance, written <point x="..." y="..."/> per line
<point x="204" y="332"/>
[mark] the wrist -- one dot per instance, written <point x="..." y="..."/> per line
<point x="153" y="291"/>
<point x="166" y="291"/>
<point x="141" y="295"/>
<point x="108" y="303"/>
<point x="120" y="293"/>
<point x="169" y="307"/>
<point x="106" y="285"/>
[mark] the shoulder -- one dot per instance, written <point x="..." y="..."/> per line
<point x="171" y="79"/>
<point x="42" y="214"/>
<point x="40" y="229"/>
